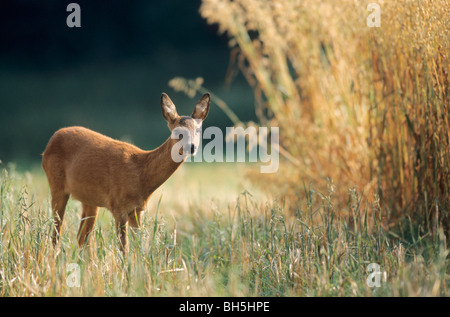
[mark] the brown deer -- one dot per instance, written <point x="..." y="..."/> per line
<point x="103" y="172"/>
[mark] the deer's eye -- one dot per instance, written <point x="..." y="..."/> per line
<point x="177" y="133"/>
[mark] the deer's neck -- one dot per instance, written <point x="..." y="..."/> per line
<point x="158" y="166"/>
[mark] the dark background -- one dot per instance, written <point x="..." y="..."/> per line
<point x="107" y="75"/>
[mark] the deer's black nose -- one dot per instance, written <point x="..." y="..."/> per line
<point x="192" y="148"/>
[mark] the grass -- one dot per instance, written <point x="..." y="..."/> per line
<point x="215" y="236"/>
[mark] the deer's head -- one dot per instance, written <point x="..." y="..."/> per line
<point x="186" y="129"/>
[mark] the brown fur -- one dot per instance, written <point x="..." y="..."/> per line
<point x="103" y="172"/>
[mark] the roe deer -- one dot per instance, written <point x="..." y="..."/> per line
<point x="103" y="172"/>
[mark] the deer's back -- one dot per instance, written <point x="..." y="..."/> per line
<point x="91" y="166"/>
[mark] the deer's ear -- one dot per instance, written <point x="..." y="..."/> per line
<point x="202" y="108"/>
<point x="169" y="110"/>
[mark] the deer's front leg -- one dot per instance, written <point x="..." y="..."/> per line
<point x="121" y="229"/>
<point x="134" y="219"/>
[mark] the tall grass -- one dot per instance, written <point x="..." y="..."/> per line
<point x="247" y="247"/>
<point x="361" y="106"/>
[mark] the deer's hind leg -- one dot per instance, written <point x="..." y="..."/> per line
<point x="88" y="219"/>
<point x="59" y="202"/>
<point x="54" y="170"/>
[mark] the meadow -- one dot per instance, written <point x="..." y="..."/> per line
<point x="207" y="232"/>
